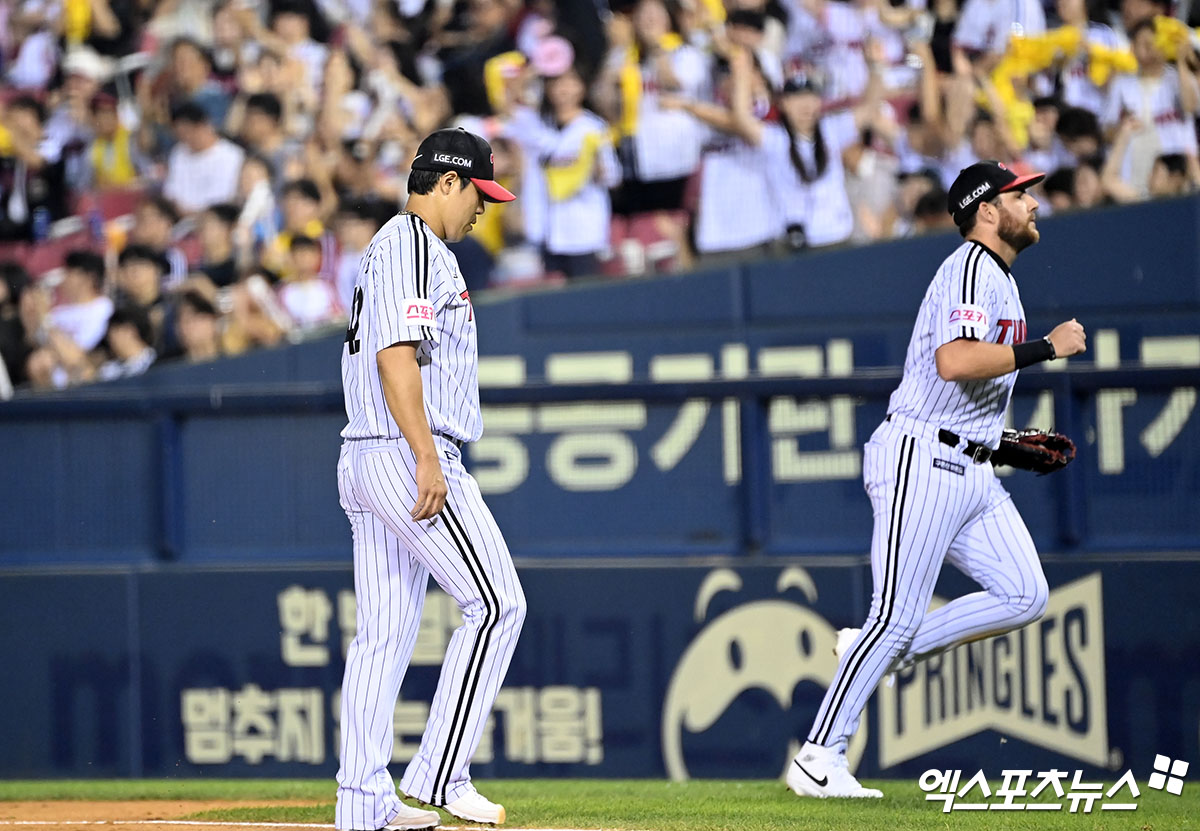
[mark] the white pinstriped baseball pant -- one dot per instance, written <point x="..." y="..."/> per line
<point x="393" y="557"/>
<point x="931" y="503"/>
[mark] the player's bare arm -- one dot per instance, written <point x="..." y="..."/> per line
<point x="400" y="375"/>
<point x="966" y="359"/>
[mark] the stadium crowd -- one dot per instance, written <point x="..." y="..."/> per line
<point x="195" y="178"/>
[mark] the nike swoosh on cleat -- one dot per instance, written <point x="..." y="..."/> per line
<point x="822" y="782"/>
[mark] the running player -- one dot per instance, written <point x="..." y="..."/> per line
<point x="409" y="372"/>
<point x="925" y="468"/>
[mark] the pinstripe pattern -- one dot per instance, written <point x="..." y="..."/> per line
<point x="931" y="503"/>
<point x="405" y="271"/>
<point x="925" y="515"/>
<point x="969" y="279"/>
<point x="463" y="549"/>
<point x="406" y="261"/>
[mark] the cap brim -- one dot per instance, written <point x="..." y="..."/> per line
<point x="1022" y="182"/>
<point x="493" y="191"/>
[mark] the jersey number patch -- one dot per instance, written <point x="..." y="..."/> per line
<point x="355" y="313"/>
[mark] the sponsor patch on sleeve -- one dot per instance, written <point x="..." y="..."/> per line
<point x="968" y="315"/>
<point x="417" y="312"/>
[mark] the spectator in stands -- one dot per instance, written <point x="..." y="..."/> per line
<point x="84" y="311"/>
<point x="1076" y="188"/>
<point x="203" y="167"/>
<point x="140" y="274"/>
<point x="218" y="260"/>
<point x="308" y="299"/>
<point x="197" y="325"/>
<point x="31" y="173"/>
<point x="258" y="121"/>
<point x="1079" y="131"/>
<point x="112" y="28"/>
<point x="982" y="33"/>
<point x="14" y="349"/>
<point x="900" y="219"/>
<point x="1169" y="177"/>
<point x="257" y="223"/>
<point x="579" y="167"/>
<point x="1090" y="17"/>
<point x="69" y="127"/>
<point x="256" y="318"/>
<point x="1155" y="111"/>
<point x="1089" y="189"/>
<point x="154" y="227"/>
<point x="190" y="81"/>
<point x="356" y="223"/>
<point x="65" y="335"/>
<point x="1045" y="150"/>
<point x="1059" y="188"/>
<point x="659" y="146"/>
<point x="804" y="157"/>
<point x="34" y="45"/>
<point x="128" y="341"/>
<point x="930" y="215"/>
<point x="735" y="223"/>
<point x="114" y="159"/>
<point x="291" y="35"/>
<point x="1134" y="12"/>
<point x="303" y="215"/>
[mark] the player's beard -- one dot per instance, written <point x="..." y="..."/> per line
<point x="1019" y="235"/>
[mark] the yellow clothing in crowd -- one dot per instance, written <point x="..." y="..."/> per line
<point x="112" y="160"/>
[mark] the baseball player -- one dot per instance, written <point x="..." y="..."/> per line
<point x="409" y="372"/>
<point x="935" y="497"/>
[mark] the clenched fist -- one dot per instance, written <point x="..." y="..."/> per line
<point x="1068" y="338"/>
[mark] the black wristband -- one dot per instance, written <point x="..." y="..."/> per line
<point x="1033" y="352"/>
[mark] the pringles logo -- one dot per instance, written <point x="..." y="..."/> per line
<point x="1044" y="684"/>
<point x="773" y="645"/>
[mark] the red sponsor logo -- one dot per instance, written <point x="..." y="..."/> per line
<point x="418" y="311"/>
<point x="969" y="316"/>
<point x="466" y="295"/>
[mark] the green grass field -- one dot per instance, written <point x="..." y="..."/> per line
<point x="649" y="805"/>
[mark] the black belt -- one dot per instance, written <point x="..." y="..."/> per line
<point x="456" y="442"/>
<point x="979" y="453"/>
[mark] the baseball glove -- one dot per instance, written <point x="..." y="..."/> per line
<point x="1037" y="450"/>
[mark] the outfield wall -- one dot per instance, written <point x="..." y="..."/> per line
<point x="233" y="461"/>
<point x="621" y="671"/>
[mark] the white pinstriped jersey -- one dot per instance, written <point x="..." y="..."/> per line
<point x="1077" y="88"/>
<point x="985" y="25"/>
<point x="974" y="296"/>
<point x="410" y="289"/>
<point x="822" y="205"/>
<point x="1155" y="101"/>
<point x="833" y="42"/>
<point x="667" y="143"/>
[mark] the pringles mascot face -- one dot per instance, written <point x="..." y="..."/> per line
<point x="773" y="645"/>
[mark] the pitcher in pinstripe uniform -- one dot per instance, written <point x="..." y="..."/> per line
<point x="925" y="468"/>
<point x="409" y="373"/>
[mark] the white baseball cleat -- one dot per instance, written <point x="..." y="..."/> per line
<point x="474" y="807"/>
<point x="824" y="773"/>
<point x="412" y="819"/>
